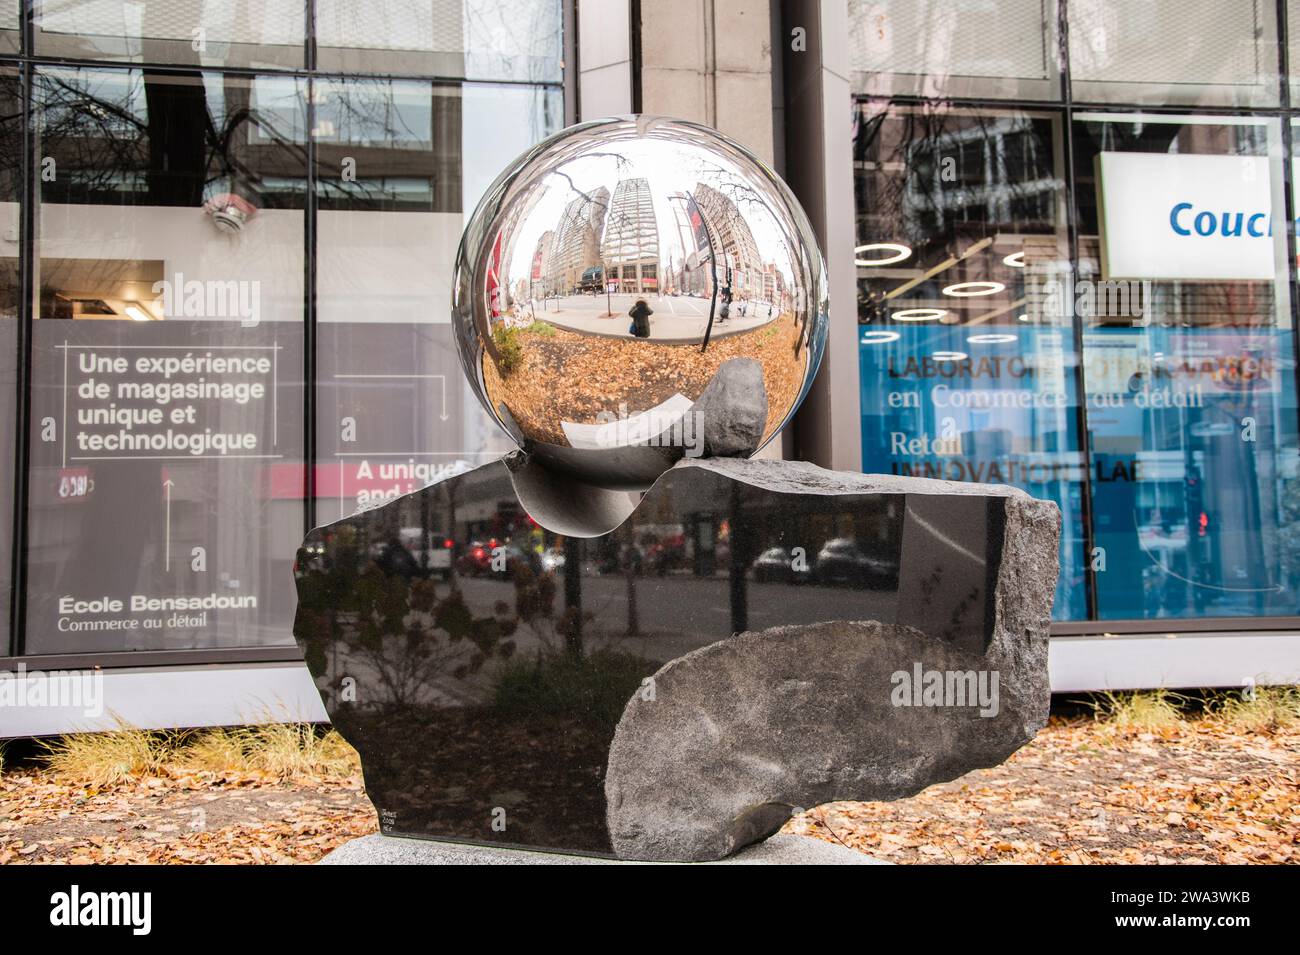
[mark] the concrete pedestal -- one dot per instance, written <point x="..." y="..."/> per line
<point x="392" y="850"/>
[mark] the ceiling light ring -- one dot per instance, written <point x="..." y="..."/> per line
<point x="918" y="314"/>
<point x="974" y="289"/>
<point x="900" y="252"/>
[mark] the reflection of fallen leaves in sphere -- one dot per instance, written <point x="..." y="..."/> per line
<point x="566" y="376"/>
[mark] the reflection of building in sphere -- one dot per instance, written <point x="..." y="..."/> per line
<point x="543" y="266"/>
<point x="577" y="241"/>
<point x="774" y="289"/>
<point x="684" y="276"/>
<point x="739" y="263"/>
<point x="630" y="248"/>
<point x="499" y="283"/>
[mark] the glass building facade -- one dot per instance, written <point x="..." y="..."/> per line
<point x="227" y="233"/>
<point x="1076" y="269"/>
<point x="226" y="239"/>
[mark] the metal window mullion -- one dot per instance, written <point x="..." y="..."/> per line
<point x="1288" y="177"/>
<point x="309" y="285"/>
<point x="23" y="377"/>
<point x="1091" y="601"/>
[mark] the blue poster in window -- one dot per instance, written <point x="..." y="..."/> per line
<point x="995" y="405"/>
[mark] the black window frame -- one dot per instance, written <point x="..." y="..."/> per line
<point x="26" y="61"/>
<point x="1065" y="107"/>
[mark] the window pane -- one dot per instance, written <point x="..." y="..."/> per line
<point x="10" y="14"/>
<point x="1293" y="46"/>
<point x="1168" y="52"/>
<point x="261" y="34"/>
<point x="401" y="164"/>
<point x="513" y="40"/>
<point x="991" y="48"/>
<point x="475" y="39"/>
<point x="1189" y="364"/>
<point x="965" y="374"/>
<point x="166" y="484"/>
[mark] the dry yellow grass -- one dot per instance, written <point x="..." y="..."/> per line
<point x="102" y="759"/>
<point x="220" y="749"/>
<point x="1267" y="710"/>
<point x="280" y="750"/>
<point x="1141" y="711"/>
<point x="287" y="749"/>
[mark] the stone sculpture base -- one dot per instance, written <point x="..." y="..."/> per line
<point x="753" y="638"/>
<point x="394" y="850"/>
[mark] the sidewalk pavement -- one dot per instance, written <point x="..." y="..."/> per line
<point x="676" y="319"/>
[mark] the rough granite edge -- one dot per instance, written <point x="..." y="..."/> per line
<point x="801" y="477"/>
<point x="1024" y="591"/>
<point x="1028" y="571"/>
<point x="630" y="749"/>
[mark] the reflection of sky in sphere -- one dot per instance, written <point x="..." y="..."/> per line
<point x="674" y="172"/>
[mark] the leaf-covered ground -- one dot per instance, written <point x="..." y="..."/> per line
<point x="1083" y="792"/>
<point x="197" y="817"/>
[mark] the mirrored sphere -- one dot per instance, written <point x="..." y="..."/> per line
<point x="635" y="290"/>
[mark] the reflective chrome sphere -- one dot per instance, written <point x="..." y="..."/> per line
<point x="636" y="290"/>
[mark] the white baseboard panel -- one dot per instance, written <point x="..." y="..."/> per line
<point x="231" y="694"/>
<point x="158" y="698"/>
<point x="1132" y="662"/>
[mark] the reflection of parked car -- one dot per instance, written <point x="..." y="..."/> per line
<point x="476" y="560"/>
<point x="776" y="565"/>
<point x="663" y="556"/>
<point x="311" y="559"/>
<point x="434" y="557"/>
<point x="842" y="560"/>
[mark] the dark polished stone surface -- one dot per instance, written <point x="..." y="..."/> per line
<point x="480" y="664"/>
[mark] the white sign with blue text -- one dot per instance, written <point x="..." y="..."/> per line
<point x="1188" y="217"/>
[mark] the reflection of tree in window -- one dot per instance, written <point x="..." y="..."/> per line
<point x="388" y="145"/>
<point x="137" y="137"/>
<point x="933" y="173"/>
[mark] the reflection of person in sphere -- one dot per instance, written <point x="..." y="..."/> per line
<point x="640" y="313"/>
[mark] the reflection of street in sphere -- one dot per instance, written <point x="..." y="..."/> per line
<point x="636" y="290"/>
